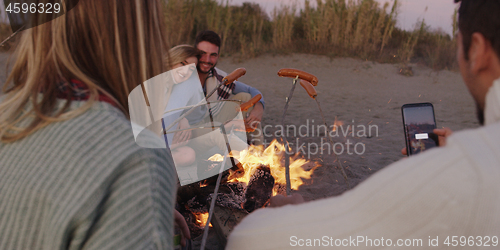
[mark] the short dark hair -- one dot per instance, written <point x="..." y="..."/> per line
<point x="481" y="16"/>
<point x="207" y="36"/>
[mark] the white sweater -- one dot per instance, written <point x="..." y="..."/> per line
<point x="444" y="192"/>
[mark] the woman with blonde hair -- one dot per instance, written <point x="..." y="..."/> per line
<point x="71" y="175"/>
<point x="181" y="92"/>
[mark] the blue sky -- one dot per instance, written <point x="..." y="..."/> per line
<point x="438" y="14"/>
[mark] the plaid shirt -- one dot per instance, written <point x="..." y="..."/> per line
<point x="223" y="92"/>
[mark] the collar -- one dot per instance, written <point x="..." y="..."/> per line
<point x="492" y="109"/>
<point x="79" y="91"/>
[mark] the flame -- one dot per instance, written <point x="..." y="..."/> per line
<point x="216" y="157"/>
<point x="336" y="124"/>
<point x="255" y="156"/>
<point x="201" y="219"/>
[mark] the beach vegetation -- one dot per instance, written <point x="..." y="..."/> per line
<point x="362" y="29"/>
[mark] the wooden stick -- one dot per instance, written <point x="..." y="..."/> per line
<point x="11" y="36"/>
<point x="217" y="185"/>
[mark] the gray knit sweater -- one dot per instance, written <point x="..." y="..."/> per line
<point x="85" y="184"/>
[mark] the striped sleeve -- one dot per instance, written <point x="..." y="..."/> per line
<point x="134" y="209"/>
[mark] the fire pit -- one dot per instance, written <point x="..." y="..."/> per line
<point x="259" y="174"/>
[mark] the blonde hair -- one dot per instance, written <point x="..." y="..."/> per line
<point x="182" y="52"/>
<point x="112" y="46"/>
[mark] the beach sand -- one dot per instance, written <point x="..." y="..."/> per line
<point x="358" y="93"/>
<point x="361" y="94"/>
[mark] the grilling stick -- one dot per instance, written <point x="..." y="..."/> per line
<point x="287" y="156"/>
<point x="217" y="185"/>
<point x="297" y="74"/>
<point x="246" y="105"/>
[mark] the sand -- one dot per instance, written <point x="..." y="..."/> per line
<point x="359" y="93"/>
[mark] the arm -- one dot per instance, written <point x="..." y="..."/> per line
<point x="241" y="87"/>
<point x="255" y="116"/>
<point x="133" y="209"/>
<point x="411" y="199"/>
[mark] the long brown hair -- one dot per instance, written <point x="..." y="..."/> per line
<point x="110" y="45"/>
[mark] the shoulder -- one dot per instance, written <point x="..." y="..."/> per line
<point x="220" y="72"/>
<point x="101" y="139"/>
<point x="82" y="163"/>
<point x="480" y="146"/>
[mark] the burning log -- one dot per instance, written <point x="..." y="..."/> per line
<point x="224" y="221"/>
<point x="259" y="189"/>
<point x="197" y="198"/>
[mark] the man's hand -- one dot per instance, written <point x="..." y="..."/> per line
<point x="442" y="134"/>
<point x="182" y="136"/>
<point x="181" y="223"/>
<point x="254" y="117"/>
<point x="280" y="200"/>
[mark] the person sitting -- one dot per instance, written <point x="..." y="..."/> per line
<point x="72" y="176"/>
<point x="183" y="59"/>
<point x="433" y="199"/>
<point x="198" y="136"/>
<point x="209" y="43"/>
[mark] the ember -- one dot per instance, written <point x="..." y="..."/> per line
<point x="337" y="124"/>
<point x="201" y="219"/>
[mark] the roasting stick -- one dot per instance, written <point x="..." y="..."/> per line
<point x="314" y="95"/>
<point x="294" y="73"/>
<point x="287" y="156"/>
<point x="11" y="36"/>
<point x="245" y="106"/>
<point x="233" y="76"/>
<point x="237" y="73"/>
<point x="217" y="185"/>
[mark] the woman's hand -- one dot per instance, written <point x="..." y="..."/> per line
<point x="254" y="117"/>
<point x="181" y="223"/>
<point x="182" y="136"/>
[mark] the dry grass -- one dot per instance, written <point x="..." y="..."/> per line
<point x="348" y="28"/>
<point x="5" y="31"/>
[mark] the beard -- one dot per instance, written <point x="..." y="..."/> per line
<point x="201" y="71"/>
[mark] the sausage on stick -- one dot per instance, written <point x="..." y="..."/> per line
<point x="293" y="73"/>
